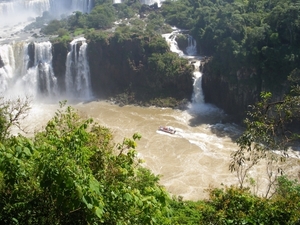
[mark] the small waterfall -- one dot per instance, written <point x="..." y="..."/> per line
<point x="151" y="2"/>
<point x="192" y="46"/>
<point x="198" y="97"/>
<point x="198" y="105"/>
<point x="117" y="1"/>
<point x="77" y="79"/>
<point x="171" y="40"/>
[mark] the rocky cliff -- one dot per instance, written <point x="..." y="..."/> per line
<point x="232" y="92"/>
<point x="122" y="67"/>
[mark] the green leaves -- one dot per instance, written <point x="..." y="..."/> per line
<point x="70" y="172"/>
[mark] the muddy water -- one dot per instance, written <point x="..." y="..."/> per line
<point x="189" y="162"/>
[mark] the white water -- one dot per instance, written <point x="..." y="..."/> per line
<point x="198" y="106"/>
<point x="146" y="2"/>
<point x="38" y="80"/>
<point x="39" y="6"/>
<point x="77" y="79"/>
<point x="17" y="79"/>
<point x="15" y="59"/>
<point x="16" y="14"/>
<point x="47" y="82"/>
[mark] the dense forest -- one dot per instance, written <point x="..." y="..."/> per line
<point x="263" y="35"/>
<point x="72" y="172"/>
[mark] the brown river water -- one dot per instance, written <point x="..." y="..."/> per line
<point x="189" y="162"/>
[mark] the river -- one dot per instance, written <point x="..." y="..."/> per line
<point x="189" y="162"/>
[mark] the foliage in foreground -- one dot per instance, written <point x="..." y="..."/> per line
<point x="232" y="205"/>
<point x="72" y="173"/>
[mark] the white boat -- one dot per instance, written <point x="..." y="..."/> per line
<point x="167" y="129"/>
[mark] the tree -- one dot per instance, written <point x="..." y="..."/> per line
<point x="12" y="112"/>
<point x="269" y="127"/>
<point x="71" y="172"/>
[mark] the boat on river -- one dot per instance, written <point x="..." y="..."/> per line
<point x="167" y="129"/>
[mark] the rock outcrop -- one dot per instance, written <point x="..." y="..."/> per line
<point x="122" y="66"/>
<point x="234" y="92"/>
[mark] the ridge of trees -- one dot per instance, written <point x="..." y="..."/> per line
<point x="261" y="35"/>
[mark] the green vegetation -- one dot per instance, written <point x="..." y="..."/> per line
<point x="71" y="172"/>
<point x="261" y="35"/>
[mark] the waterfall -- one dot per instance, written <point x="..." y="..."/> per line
<point x="25" y="74"/>
<point x="198" y="105"/>
<point x="14" y="59"/>
<point x="198" y="96"/>
<point x="82" y="5"/>
<point x="6" y="8"/>
<point x="146" y="2"/>
<point x="18" y="10"/>
<point x="38" y="6"/>
<point x="151" y="2"/>
<point x="191" y="50"/>
<point x="26" y="69"/>
<point x="77" y="78"/>
<point x="38" y="81"/>
<point x="46" y="81"/>
<point x="192" y="46"/>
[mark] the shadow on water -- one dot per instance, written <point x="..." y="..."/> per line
<point x="216" y="120"/>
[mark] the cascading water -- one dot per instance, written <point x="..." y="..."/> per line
<point x="47" y="82"/>
<point x="192" y="46"/>
<point x="20" y="76"/>
<point x="151" y="2"/>
<point x="198" y="105"/>
<point x="192" y="57"/>
<point x="14" y="59"/>
<point x="146" y="2"/>
<point x="6" y="8"/>
<point x="38" y="6"/>
<point x="16" y="11"/>
<point x="82" y="5"/>
<point x="77" y="79"/>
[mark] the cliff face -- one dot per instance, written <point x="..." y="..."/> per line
<point x="1" y="62"/>
<point x="232" y="93"/>
<point x="122" y="66"/>
<point x="115" y="66"/>
<point x="59" y="53"/>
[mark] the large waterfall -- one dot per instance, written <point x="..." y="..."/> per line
<point x="15" y="11"/>
<point x="78" y="82"/>
<point x="26" y="69"/>
<point x="13" y="62"/>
